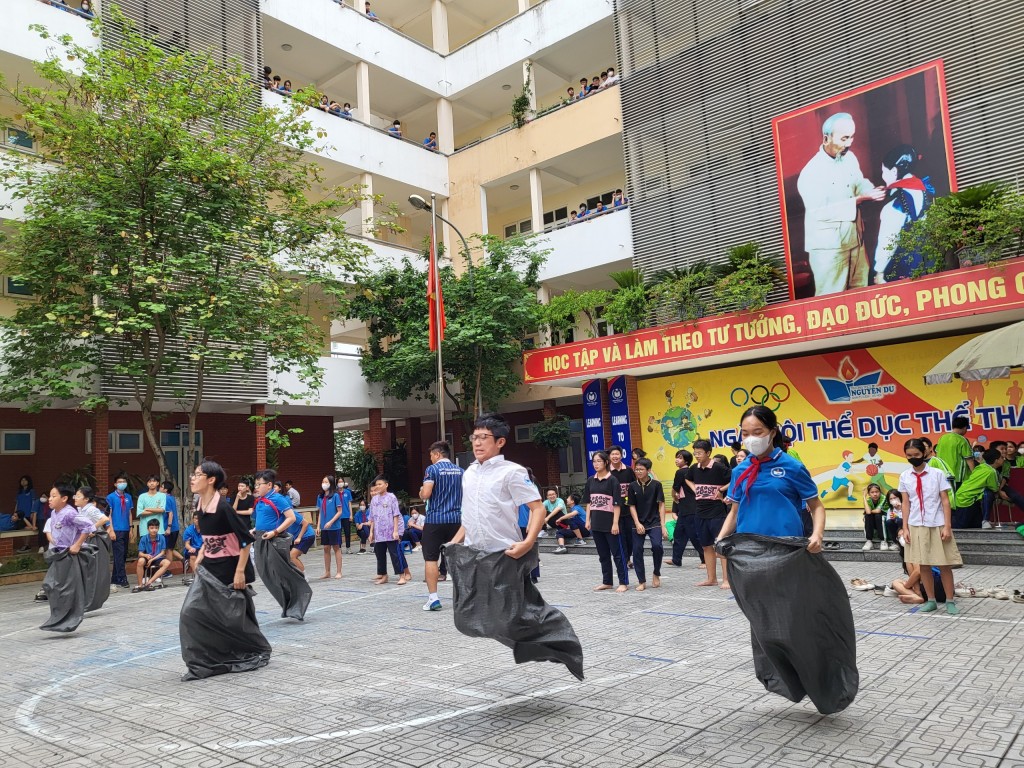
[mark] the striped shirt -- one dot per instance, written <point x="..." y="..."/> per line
<point x="445" y="504"/>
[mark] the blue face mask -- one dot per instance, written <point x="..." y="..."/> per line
<point x="977" y="455"/>
<point x="121" y="486"/>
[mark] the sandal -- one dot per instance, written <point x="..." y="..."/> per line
<point x="999" y="593"/>
<point x="1017" y="596"/>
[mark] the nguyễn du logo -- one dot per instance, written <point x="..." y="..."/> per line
<point x="852" y="385"/>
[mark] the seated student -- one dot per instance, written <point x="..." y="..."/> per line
<point x="893" y="517"/>
<point x="554" y="509"/>
<point x="192" y="542"/>
<point x="362" y="523"/>
<point x="414" y="528"/>
<point x="572" y="524"/>
<point x="152" y="553"/>
<point x="303" y="535"/>
<point x="983" y="478"/>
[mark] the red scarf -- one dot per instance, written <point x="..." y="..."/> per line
<point x="908" y="182"/>
<point x="750" y="473"/>
<point x="920" y="494"/>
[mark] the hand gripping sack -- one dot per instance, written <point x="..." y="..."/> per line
<point x="64" y="586"/>
<point x="282" y="579"/>
<point x="494" y="597"/>
<point x="218" y="629"/>
<point x="801" y="625"/>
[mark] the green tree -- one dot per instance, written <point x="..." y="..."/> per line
<point x="348" y="447"/>
<point x="489" y="311"/>
<point x="175" y="230"/>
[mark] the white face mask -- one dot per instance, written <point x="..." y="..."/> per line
<point x="757" y="445"/>
<point x="1020" y="450"/>
<point x="325" y="486"/>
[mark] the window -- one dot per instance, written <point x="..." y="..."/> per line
<point x="524" y="433"/>
<point x="601" y="326"/>
<point x="19" y="138"/>
<point x="17" y="442"/>
<point x="119" y="441"/>
<point x="556" y="217"/>
<point x="13" y="287"/>
<point x="557" y="337"/>
<point x="521" y="228"/>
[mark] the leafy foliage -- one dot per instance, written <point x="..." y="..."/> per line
<point x="521" y="103"/>
<point x="562" y="312"/>
<point x="174" y="229"/>
<point x="977" y="225"/>
<point x="627" y="278"/>
<point x="361" y="470"/>
<point x="628" y="309"/>
<point x="348" y="445"/>
<point x="277" y="437"/>
<point x="553" y="433"/>
<point x="489" y="310"/>
<point x="684" y="290"/>
<point x="746" y="279"/>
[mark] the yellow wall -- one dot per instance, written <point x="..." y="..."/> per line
<point x="596" y="118"/>
<point x="570" y="198"/>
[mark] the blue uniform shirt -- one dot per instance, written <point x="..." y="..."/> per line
<point x="771" y="506"/>
<point x="120" y="510"/>
<point x="446" y="495"/>
<point x="148" y="547"/>
<point x="346" y="504"/>
<point x="172" y="514"/>
<point x="296" y="527"/>
<point x="265" y="517"/>
<point x="192" y="537"/>
<point x="26" y="503"/>
<point x="328" y="509"/>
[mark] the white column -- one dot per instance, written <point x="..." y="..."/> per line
<point x="439" y="26"/>
<point x="483" y="211"/>
<point x="524" y="5"/>
<point x="363" y="91"/>
<point x="536" y="200"/>
<point x="366" y="206"/>
<point x="445" y="126"/>
<point x="452" y="244"/>
<point x="533" y="86"/>
<point x="544" y="296"/>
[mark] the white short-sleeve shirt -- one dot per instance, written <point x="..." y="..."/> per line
<point x="491" y="495"/>
<point x="933" y="482"/>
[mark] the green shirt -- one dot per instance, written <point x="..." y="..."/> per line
<point x="954" y="449"/>
<point x="981" y="479"/>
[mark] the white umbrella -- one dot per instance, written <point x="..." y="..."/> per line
<point x="991" y="355"/>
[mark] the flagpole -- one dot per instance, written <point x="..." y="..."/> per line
<point x="437" y="316"/>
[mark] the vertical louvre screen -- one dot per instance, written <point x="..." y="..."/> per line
<point x="702" y="80"/>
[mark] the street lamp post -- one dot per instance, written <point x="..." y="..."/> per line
<point x="416" y="201"/>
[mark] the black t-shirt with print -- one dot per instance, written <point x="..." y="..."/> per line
<point x="224" y="533"/>
<point x="602" y="496"/>
<point x="707" y="481"/>
<point x="687" y="503"/>
<point x="647" y="498"/>
<point x="625" y="476"/>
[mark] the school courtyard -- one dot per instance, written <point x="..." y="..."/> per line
<point x="371" y="680"/>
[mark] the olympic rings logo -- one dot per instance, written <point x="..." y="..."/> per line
<point x="759" y="394"/>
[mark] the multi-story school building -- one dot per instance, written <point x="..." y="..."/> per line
<point x="712" y="125"/>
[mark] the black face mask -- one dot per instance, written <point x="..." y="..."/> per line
<point x="916" y="462"/>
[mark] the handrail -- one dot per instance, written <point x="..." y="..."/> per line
<point x="384" y="242"/>
<point x="68" y="9"/>
<point x="398" y="32"/>
<point x="589" y="217"/>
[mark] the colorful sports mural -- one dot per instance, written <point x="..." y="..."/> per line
<point x="833" y="406"/>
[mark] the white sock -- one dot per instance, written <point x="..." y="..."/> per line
<point x="432" y="597"/>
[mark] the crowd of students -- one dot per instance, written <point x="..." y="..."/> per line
<point x="84" y="7"/>
<point x="597" y="83"/>
<point x="584" y="212"/>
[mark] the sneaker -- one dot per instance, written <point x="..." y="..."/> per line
<point x="951" y="608"/>
<point x="41" y="596"/>
<point x="542" y="535"/>
<point x="890" y="592"/>
<point x="986" y="524"/>
<point x="22" y="550"/>
<point x="348" y="551"/>
<point x="114" y="588"/>
<point x="361" y="552"/>
<point x="432" y="605"/>
<point x="560" y="550"/>
<point x="580" y="543"/>
<point x="867" y="546"/>
<point x="883" y="547"/>
<point x="41" y="550"/>
<point x="928" y="607"/>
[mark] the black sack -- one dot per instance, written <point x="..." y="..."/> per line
<point x="282" y="579"/>
<point x="801" y="624"/>
<point x="95" y="553"/>
<point x="218" y="629"/>
<point x="64" y="586"/>
<point x="494" y="597"/>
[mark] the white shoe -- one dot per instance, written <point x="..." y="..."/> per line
<point x="580" y="543"/>
<point x="560" y="551"/>
<point x="986" y="524"/>
<point x="884" y="547"/>
<point x="867" y="546"/>
<point x="542" y="535"/>
<point x="890" y="592"/>
<point x="42" y="550"/>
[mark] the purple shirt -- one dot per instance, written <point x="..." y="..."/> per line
<point x="66" y="525"/>
<point x="382" y="512"/>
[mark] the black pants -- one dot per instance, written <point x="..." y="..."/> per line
<point x="686" y="531"/>
<point x="657" y="552"/>
<point x="119" y="549"/>
<point x="873" y="528"/>
<point x="394" y="548"/>
<point x="363" y="533"/>
<point x="346" y="530"/>
<point x="892" y="529"/>
<point x="610" y="547"/>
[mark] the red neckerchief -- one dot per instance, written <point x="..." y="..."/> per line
<point x="269" y="503"/>
<point x="123" y="502"/>
<point x="751" y="472"/>
<point x="908" y="182"/>
<point x="153" y="543"/>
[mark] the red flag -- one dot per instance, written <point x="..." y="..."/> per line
<point x="435" y="301"/>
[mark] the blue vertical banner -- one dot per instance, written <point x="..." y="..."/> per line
<point x="618" y="409"/>
<point x="593" y="420"/>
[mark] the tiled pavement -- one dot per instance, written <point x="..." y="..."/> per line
<point x="371" y="680"/>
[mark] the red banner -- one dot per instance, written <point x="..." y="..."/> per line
<point x="960" y="293"/>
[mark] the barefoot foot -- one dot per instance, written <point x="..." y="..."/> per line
<point x="621" y="588"/>
<point x="656" y="582"/>
<point x="707" y="583"/>
<point x="602" y="587"/>
<point x="641" y="587"/>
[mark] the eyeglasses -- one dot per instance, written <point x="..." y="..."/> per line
<point x="479" y="438"/>
<point x="197" y="474"/>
